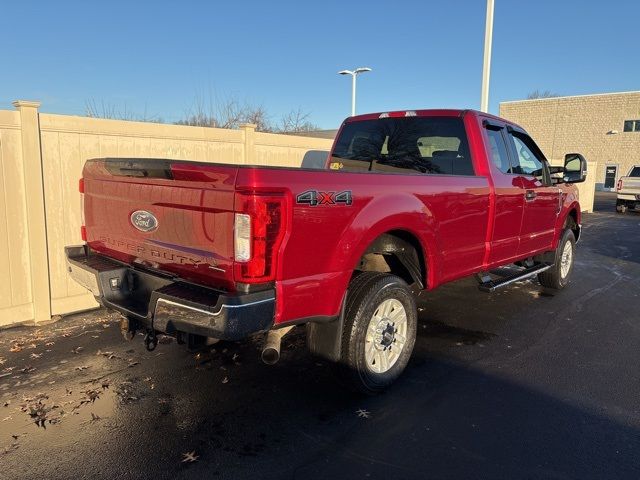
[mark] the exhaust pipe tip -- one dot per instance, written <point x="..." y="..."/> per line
<point x="270" y="355"/>
<point x="271" y="349"/>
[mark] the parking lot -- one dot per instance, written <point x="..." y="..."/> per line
<point x="517" y="384"/>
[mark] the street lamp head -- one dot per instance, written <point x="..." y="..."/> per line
<point x="362" y="70"/>
<point x="345" y="72"/>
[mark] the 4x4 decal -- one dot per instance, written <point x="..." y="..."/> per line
<point x="315" y="198"/>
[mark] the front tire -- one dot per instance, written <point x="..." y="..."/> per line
<point x="557" y="277"/>
<point x="380" y="326"/>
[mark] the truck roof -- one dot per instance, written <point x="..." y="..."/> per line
<point x="441" y="112"/>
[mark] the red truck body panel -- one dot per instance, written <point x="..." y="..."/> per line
<point x="464" y="224"/>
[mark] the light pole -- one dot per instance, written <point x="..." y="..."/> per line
<point x="354" y="74"/>
<point x="486" y="63"/>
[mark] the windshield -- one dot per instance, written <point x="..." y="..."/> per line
<point x="432" y="145"/>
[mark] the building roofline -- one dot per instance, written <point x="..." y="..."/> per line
<point x="569" y="96"/>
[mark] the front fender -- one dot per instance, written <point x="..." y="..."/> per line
<point x="569" y="204"/>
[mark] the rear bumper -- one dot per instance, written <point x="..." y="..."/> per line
<point x="169" y="305"/>
<point x="629" y="196"/>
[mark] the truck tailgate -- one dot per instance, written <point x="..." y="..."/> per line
<point x="629" y="186"/>
<point x="173" y="217"/>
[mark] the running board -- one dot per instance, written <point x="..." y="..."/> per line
<point x="489" y="285"/>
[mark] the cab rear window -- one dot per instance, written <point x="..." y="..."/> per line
<point x="427" y="145"/>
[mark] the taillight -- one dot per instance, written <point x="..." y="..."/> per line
<point x="242" y="237"/>
<point x="258" y="233"/>
<point x="83" y="229"/>
<point x="619" y="187"/>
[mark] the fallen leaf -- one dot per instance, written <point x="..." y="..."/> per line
<point x="225" y="380"/>
<point x="49" y="344"/>
<point x="105" y="325"/>
<point x="133" y="364"/>
<point x="82" y="367"/>
<point x="362" y="413"/>
<point x="15" y="348"/>
<point x="77" y="350"/>
<point x="28" y="369"/>
<point x="35" y="355"/>
<point x="189" y="457"/>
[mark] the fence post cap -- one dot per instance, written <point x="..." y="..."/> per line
<point x="26" y="103"/>
<point x="248" y="126"/>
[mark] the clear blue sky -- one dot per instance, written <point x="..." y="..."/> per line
<point x="160" y="56"/>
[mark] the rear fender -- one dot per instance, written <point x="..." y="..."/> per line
<point x="385" y="214"/>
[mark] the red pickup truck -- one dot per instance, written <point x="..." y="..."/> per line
<point x="408" y="200"/>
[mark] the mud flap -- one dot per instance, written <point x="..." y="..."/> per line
<point x="324" y="339"/>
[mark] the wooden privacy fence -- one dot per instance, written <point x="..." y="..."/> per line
<point x="41" y="158"/>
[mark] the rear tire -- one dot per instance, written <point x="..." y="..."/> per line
<point x="380" y="325"/>
<point x="557" y="277"/>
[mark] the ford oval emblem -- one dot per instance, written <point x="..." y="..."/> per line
<point x="144" y="221"/>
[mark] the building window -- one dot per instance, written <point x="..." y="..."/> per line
<point x="631" y="126"/>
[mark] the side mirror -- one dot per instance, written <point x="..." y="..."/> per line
<point x="575" y="168"/>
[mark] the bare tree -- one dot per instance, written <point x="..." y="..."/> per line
<point x="205" y="111"/>
<point x="110" y="110"/>
<point x="229" y="113"/>
<point x="296" y="121"/>
<point x="541" y="94"/>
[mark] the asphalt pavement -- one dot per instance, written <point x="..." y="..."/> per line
<point x="522" y="383"/>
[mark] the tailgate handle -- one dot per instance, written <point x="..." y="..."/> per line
<point x="530" y="195"/>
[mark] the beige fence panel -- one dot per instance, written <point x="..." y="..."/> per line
<point x="286" y="150"/>
<point x="16" y="301"/>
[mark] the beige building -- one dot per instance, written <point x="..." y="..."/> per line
<point x="605" y="128"/>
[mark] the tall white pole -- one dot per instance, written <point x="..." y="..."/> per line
<point x="486" y="64"/>
<point x="353" y="94"/>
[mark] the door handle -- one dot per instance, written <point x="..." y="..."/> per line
<point x="530" y="195"/>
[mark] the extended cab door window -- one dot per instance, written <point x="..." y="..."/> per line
<point x="408" y="145"/>
<point x="498" y="150"/>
